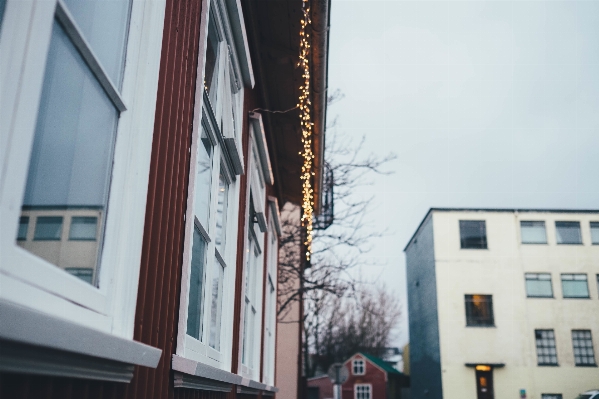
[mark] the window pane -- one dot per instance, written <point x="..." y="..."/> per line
<point x="473" y="234"/>
<point x="195" y="309"/>
<point x="221" y="213"/>
<point x="595" y="232"/>
<point x="104" y="25"/>
<point x="575" y="286"/>
<point x="216" y="305"/>
<point x="568" y="233"/>
<point x="71" y="159"/>
<point x="83" y="228"/>
<point x="479" y="310"/>
<point x="582" y="342"/>
<point x="2" y="7"/>
<point x="546" y="350"/>
<point x="48" y="228"/>
<point x="84" y="274"/>
<point x="203" y="179"/>
<point x="23" y="228"/>
<point x="539" y="285"/>
<point x="212" y="58"/>
<point x="533" y="232"/>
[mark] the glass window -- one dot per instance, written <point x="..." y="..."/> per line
<point x="252" y="264"/>
<point x="479" y="310"/>
<point x="216" y="304"/>
<point x="48" y="228"/>
<point x="23" y="228"/>
<point x="2" y="7"/>
<point x="584" y="353"/>
<point x="533" y="232"/>
<point x="221" y="212"/>
<point x="568" y="232"/>
<point x="358" y="367"/>
<point x="546" y="351"/>
<point x="84" y="274"/>
<point x="575" y="286"/>
<point x="473" y="234"/>
<point x="195" y="310"/>
<point x="595" y="233"/>
<point x="363" y="391"/>
<point x="212" y="58"/>
<point x="203" y="181"/>
<point x="538" y="285"/>
<point x="551" y="396"/>
<point x="83" y="228"/>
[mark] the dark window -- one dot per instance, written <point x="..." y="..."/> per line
<point x="568" y="232"/>
<point x="551" y="396"/>
<point x="546" y="351"/>
<point x="533" y="232"/>
<point x="575" y="286"/>
<point x="538" y="285"/>
<point x="595" y="233"/>
<point x="23" y="227"/>
<point x="48" y="228"/>
<point x="358" y="367"/>
<point x="479" y="310"/>
<point x="195" y="307"/>
<point x="584" y="355"/>
<point x="473" y="234"/>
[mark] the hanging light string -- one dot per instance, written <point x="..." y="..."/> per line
<point x="306" y="126"/>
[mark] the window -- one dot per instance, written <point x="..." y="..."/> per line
<point x="533" y="232"/>
<point x="546" y="351"/>
<point x="23" y="228"/>
<point x="584" y="354"/>
<point x="538" y="285"/>
<point x="551" y="396"/>
<point x="575" y="286"/>
<point x="251" y="313"/>
<point x="48" y="228"/>
<point x="83" y="228"/>
<point x="479" y="310"/>
<point x="270" y="308"/>
<point x="363" y="391"/>
<point x="84" y="274"/>
<point x="473" y="234"/>
<point x="358" y="367"/>
<point x="595" y="233"/>
<point x="568" y="232"/>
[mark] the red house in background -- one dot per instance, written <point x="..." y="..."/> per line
<point x="369" y="378"/>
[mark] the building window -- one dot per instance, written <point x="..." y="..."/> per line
<point x="546" y="351"/>
<point x="83" y="228"/>
<point x="551" y="396"/>
<point x="575" y="286"/>
<point x="533" y="232"/>
<point x="358" y="367"/>
<point x="23" y="228"/>
<point x="538" y="285"/>
<point x="473" y="234"/>
<point x="48" y="228"/>
<point x="568" y="232"/>
<point x="584" y="354"/>
<point x="363" y="391"/>
<point x="270" y="307"/>
<point x="595" y="233"/>
<point x="479" y="310"/>
<point x="82" y="273"/>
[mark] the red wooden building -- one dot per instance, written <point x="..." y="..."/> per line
<point x="146" y="149"/>
<point x="369" y="378"/>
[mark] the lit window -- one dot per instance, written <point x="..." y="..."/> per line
<point x="363" y="391"/>
<point x="358" y="367"/>
<point x="568" y="232"/>
<point x="83" y="228"/>
<point x="473" y="234"/>
<point x="595" y="233"/>
<point x="479" y="310"/>
<point x="48" y="228"/>
<point x="533" y="232"/>
<point x="575" y="286"/>
<point x="584" y="354"/>
<point x="546" y="351"/>
<point x="538" y="285"/>
<point x="23" y="228"/>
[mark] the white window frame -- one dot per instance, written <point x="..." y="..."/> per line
<point x="354" y="366"/>
<point x="25" y="278"/>
<point x="210" y="115"/>
<point x="362" y="385"/>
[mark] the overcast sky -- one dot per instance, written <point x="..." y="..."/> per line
<point x="485" y="103"/>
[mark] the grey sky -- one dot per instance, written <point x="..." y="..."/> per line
<point x="486" y="104"/>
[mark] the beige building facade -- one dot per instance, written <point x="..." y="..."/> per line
<point x="504" y="304"/>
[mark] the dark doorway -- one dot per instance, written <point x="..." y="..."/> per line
<point x="484" y="384"/>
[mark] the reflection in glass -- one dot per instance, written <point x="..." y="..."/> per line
<point x="533" y="232"/>
<point x="221" y="213"/>
<point x="575" y="286"/>
<point x="23" y="228"/>
<point x="212" y="58"/>
<point x="216" y="305"/>
<point x="473" y="234"/>
<point x="195" y="309"/>
<point x="2" y="7"/>
<point x="203" y="179"/>
<point x="71" y="158"/>
<point x="84" y="274"/>
<point x="104" y="26"/>
<point x="568" y="232"/>
<point x="538" y="285"/>
<point x="83" y="228"/>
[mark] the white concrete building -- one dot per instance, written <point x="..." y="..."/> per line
<point x="504" y="303"/>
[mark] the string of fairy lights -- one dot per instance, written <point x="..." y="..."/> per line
<point x="304" y="105"/>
